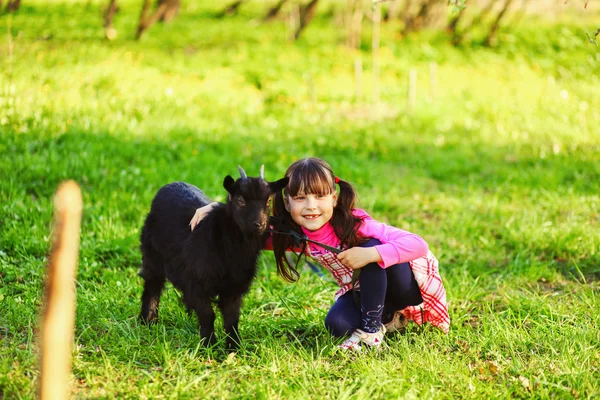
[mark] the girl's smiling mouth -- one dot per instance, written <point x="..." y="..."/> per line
<point x="311" y="216"/>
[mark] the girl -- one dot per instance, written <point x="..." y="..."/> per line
<point x="399" y="278"/>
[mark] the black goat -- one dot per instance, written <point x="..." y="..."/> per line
<point x="217" y="259"/>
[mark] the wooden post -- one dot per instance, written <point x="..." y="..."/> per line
<point x="356" y="17"/>
<point x="358" y="78"/>
<point x="412" y="89"/>
<point x="432" y="80"/>
<point x="293" y="21"/>
<point x="375" y="50"/>
<point x="311" y="87"/>
<point x="59" y="307"/>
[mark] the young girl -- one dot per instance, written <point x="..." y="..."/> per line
<point x="399" y="278"/>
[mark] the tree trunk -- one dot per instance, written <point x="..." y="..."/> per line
<point x="391" y="11"/>
<point x="417" y="22"/>
<point x="519" y="14"/>
<point x="274" y="11"/>
<point x="110" y="12"/>
<point x="481" y="16"/>
<point x="166" y="11"/>
<point x="13" y="5"/>
<point x="490" y="40"/>
<point x="231" y="9"/>
<point x="171" y="11"/>
<point x="355" y="24"/>
<point x="405" y="13"/>
<point x="306" y="15"/>
<point x="144" y="17"/>
<point x="452" y="28"/>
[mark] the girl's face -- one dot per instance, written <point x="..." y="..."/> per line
<point x="311" y="211"/>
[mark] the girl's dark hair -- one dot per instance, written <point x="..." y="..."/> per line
<point x="314" y="176"/>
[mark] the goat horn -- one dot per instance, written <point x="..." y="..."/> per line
<point x="242" y="172"/>
<point x="262" y="171"/>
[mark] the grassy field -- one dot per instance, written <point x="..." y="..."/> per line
<point x="499" y="171"/>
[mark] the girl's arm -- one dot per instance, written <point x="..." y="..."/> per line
<point x="201" y="213"/>
<point x="397" y="246"/>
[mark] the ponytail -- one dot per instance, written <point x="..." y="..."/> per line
<point x="344" y="222"/>
<point x="282" y="243"/>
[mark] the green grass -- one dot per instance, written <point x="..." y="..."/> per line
<point x="499" y="173"/>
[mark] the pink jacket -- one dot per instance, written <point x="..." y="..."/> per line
<point x="398" y="246"/>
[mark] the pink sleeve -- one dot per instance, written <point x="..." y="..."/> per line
<point x="397" y="246"/>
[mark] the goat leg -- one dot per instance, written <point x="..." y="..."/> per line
<point x="153" y="286"/>
<point x="230" y="308"/>
<point x="206" y="317"/>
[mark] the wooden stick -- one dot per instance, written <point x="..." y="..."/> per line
<point x="311" y="88"/>
<point x="358" y="78"/>
<point x="58" y="316"/>
<point x="432" y="80"/>
<point x="293" y="21"/>
<point x="412" y="89"/>
<point x="375" y="51"/>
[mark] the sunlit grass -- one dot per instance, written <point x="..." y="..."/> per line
<point x="497" y="168"/>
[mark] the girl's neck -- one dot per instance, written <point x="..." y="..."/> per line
<point x="323" y="234"/>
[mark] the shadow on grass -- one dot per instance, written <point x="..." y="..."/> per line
<point x="119" y="178"/>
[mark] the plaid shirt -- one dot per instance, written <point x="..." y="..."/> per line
<point x="396" y="246"/>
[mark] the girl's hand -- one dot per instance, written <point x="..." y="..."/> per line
<point x="200" y="214"/>
<point x="358" y="257"/>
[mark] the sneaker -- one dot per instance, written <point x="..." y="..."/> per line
<point x="397" y="324"/>
<point x="373" y="340"/>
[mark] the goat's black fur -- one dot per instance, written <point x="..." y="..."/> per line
<point x="217" y="259"/>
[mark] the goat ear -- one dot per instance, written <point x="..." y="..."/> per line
<point x="229" y="183"/>
<point x="278" y="185"/>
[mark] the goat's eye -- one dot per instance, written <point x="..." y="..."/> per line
<point x="240" y="201"/>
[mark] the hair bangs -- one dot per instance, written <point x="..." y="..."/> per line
<point x="309" y="178"/>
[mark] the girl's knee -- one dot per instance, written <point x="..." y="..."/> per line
<point x="339" y="326"/>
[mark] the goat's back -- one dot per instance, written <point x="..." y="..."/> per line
<point x="167" y="224"/>
<point x="217" y="256"/>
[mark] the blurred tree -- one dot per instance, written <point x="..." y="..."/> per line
<point x="491" y="37"/>
<point x="453" y="24"/>
<point x="459" y="35"/>
<point x="110" y="12"/>
<point x="391" y="11"/>
<point x="165" y="11"/>
<point x="12" y="5"/>
<point x="454" y="20"/>
<point x="355" y="28"/>
<point x="307" y="13"/>
<point x="231" y="9"/>
<point x="273" y="11"/>
<point x="422" y="18"/>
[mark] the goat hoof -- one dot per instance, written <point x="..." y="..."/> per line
<point x="208" y="341"/>
<point x="232" y="346"/>
<point x="148" y="320"/>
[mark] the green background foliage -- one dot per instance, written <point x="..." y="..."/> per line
<point x="497" y="169"/>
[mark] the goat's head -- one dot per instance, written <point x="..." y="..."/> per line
<point x="249" y="200"/>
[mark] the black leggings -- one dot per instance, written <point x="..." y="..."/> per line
<point x="382" y="292"/>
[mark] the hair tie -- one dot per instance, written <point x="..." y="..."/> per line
<point x="337" y="180"/>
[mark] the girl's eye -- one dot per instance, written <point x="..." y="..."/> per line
<point x="298" y="198"/>
<point x="269" y="202"/>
